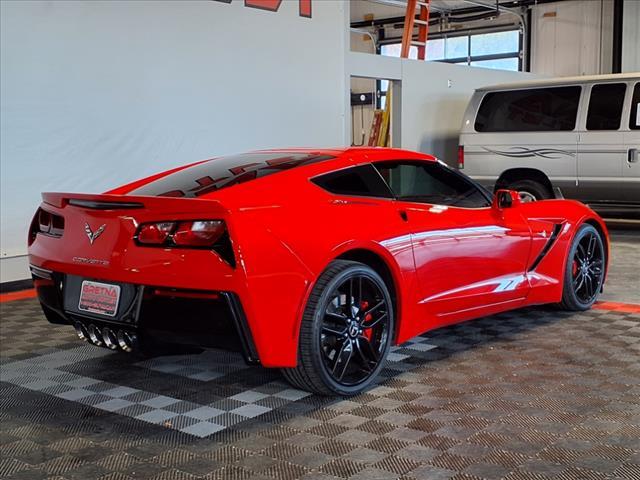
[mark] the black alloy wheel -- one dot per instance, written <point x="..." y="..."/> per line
<point x="346" y="331"/>
<point x="355" y="330"/>
<point x="585" y="269"/>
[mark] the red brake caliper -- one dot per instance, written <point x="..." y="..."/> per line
<point x="368" y="317"/>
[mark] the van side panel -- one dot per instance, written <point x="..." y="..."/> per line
<point x="594" y="162"/>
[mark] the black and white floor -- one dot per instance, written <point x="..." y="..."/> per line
<point x="534" y="394"/>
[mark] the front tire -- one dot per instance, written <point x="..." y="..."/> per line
<point x="584" y="270"/>
<point x="345" y="333"/>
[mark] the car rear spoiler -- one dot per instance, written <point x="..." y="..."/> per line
<point x="126" y="202"/>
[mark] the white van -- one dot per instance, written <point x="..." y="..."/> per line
<point x="573" y="137"/>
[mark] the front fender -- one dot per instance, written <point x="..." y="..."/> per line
<point x="548" y="277"/>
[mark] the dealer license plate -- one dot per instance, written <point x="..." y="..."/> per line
<point x="102" y="298"/>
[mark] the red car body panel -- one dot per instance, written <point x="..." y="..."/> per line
<point x="448" y="264"/>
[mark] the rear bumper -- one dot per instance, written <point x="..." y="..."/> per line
<point x="202" y="318"/>
<point x="269" y="280"/>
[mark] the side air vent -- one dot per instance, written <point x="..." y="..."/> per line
<point x="552" y="239"/>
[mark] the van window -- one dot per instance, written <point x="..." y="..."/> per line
<point x="529" y="110"/>
<point x="605" y="106"/>
<point x="634" y="119"/>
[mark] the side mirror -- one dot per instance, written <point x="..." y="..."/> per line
<point x="506" y="199"/>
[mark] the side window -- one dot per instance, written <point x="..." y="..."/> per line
<point x="362" y="180"/>
<point x="431" y="182"/>
<point x="605" y="106"/>
<point x="634" y="119"/>
<point x="529" y="110"/>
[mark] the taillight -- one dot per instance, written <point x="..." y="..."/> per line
<point x="201" y="233"/>
<point x="192" y="233"/>
<point x="460" y="157"/>
<point x="46" y="223"/>
<point x="155" y="233"/>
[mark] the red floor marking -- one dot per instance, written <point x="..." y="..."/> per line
<point x="617" y="307"/>
<point x="22" y="294"/>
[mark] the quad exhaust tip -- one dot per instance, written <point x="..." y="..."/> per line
<point x="109" y="338"/>
<point x="106" y="337"/>
<point x="81" y="331"/>
<point x="95" y="335"/>
<point x="128" y="341"/>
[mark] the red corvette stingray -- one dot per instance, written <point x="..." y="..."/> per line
<point x="314" y="261"/>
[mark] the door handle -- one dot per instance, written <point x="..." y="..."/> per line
<point x="632" y="155"/>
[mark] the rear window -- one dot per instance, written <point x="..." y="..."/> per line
<point x="224" y="172"/>
<point x="530" y="110"/>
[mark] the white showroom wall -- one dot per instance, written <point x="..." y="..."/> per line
<point x="95" y="94"/>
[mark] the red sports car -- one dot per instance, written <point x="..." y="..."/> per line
<point x="313" y="261"/>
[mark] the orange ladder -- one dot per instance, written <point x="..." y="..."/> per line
<point x="376" y="124"/>
<point x="410" y="21"/>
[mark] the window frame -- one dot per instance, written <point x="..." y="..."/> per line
<point x="634" y="87"/>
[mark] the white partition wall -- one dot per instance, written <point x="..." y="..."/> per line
<point x="95" y="94"/>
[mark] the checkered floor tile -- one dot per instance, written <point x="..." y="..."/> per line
<point x="532" y="394"/>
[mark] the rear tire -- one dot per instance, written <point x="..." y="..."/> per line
<point x="345" y="333"/>
<point x="530" y="190"/>
<point x="584" y="270"/>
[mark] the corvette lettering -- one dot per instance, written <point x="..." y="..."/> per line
<point x="91" y="261"/>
